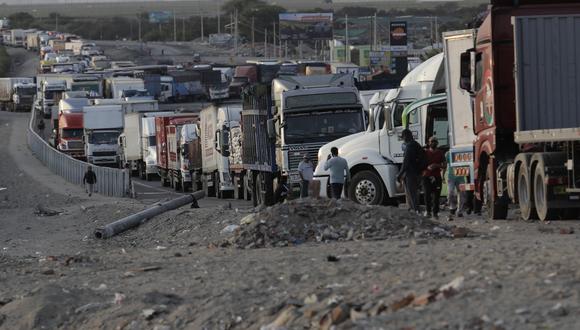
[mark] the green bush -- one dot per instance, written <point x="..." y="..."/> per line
<point x="4" y="62"/>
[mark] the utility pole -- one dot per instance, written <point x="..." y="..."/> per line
<point x="174" y="27"/>
<point x="183" y="29"/>
<point x="346" y="50"/>
<point x="219" y="17"/>
<point x="56" y="22"/>
<point x="139" y="20"/>
<point x="236" y="35"/>
<point x="436" y="31"/>
<point x="375" y="37"/>
<point x="275" y="52"/>
<point x="201" y="27"/>
<point x="253" y="40"/>
<point x="265" y="43"/>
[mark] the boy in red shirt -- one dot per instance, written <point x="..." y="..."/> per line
<point x="432" y="177"/>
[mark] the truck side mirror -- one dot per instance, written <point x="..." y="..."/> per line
<point x="466" y="75"/>
<point x="224" y="142"/>
<point x="271" y="128"/>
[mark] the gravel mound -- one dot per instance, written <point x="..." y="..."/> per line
<point x="324" y="220"/>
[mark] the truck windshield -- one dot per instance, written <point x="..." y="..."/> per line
<point x="313" y="100"/>
<point x="48" y="95"/>
<point x="104" y="138"/>
<point x="134" y="93"/>
<point x="72" y="133"/>
<point x="322" y="126"/>
<point x="26" y="90"/>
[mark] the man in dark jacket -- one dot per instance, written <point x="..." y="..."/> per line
<point x="89" y="180"/>
<point x="411" y="170"/>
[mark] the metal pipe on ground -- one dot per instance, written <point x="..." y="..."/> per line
<point x="136" y="219"/>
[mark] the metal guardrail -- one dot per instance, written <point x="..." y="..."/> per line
<point x="110" y="181"/>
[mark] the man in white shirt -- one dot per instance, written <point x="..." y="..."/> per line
<point x="306" y="171"/>
<point x="338" y="167"/>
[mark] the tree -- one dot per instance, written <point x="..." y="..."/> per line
<point x="21" y="20"/>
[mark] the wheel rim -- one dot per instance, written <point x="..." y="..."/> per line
<point x="365" y="192"/>
<point x="524" y="197"/>
<point x="539" y="189"/>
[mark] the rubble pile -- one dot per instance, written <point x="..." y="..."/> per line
<point x="315" y="312"/>
<point x="323" y="220"/>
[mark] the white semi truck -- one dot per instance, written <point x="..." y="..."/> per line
<point x="459" y="109"/>
<point x="102" y="125"/>
<point x="375" y="155"/>
<point x="137" y="144"/>
<point x="219" y="124"/>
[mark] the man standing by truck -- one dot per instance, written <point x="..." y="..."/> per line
<point x="411" y="169"/>
<point x="306" y="171"/>
<point x="337" y="166"/>
<point x="432" y="177"/>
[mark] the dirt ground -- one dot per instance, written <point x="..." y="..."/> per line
<point x="172" y="273"/>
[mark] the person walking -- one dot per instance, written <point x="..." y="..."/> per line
<point x="337" y="166"/>
<point x="89" y="180"/>
<point x="456" y="197"/>
<point x="413" y="160"/>
<point x="41" y="127"/>
<point x="306" y="171"/>
<point x="432" y="177"/>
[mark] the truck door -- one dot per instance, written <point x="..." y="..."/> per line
<point x="391" y="142"/>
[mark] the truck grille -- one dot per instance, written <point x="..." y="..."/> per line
<point x="297" y="151"/>
<point x="104" y="153"/>
<point x="74" y="145"/>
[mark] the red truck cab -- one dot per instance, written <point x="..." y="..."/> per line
<point x="70" y="134"/>
<point x="488" y="74"/>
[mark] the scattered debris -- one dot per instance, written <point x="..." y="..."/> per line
<point x="331" y="258"/>
<point x="230" y="229"/>
<point x="323" y="220"/>
<point x="46" y="212"/>
<point x="566" y="231"/>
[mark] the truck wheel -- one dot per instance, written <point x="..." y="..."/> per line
<point x="525" y="194"/>
<point x="257" y="198"/>
<point x="238" y="188"/>
<point x="366" y="188"/>
<point x="497" y="208"/>
<point x="541" y="195"/>
<point x="247" y="187"/>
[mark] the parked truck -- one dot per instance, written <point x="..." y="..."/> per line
<point x="222" y="171"/>
<point x="179" y="151"/>
<point x="137" y="143"/>
<point x="102" y="126"/>
<point x="179" y="86"/>
<point x="17" y="37"/>
<point x="32" y="41"/>
<point x="290" y="118"/>
<point x="117" y="87"/>
<point x="374" y="157"/>
<point x="68" y="131"/>
<point x="459" y="111"/>
<point x="17" y="93"/>
<point x="526" y="108"/>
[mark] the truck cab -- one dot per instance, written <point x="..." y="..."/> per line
<point x="102" y="126"/>
<point x="51" y="94"/>
<point x="23" y="96"/>
<point x="69" y="132"/>
<point x="374" y="157"/>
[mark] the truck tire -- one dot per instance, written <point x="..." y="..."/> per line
<point x="247" y="186"/>
<point x="497" y="207"/>
<point x="262" y="189"/>
<point x="525" y="193"/>
<point x="541" y="190"/>
<point x="256" y="189"/>
<point x="366" y="188"/>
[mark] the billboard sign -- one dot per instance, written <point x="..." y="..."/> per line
<point x="306" y="26"/>
<point x="160" y="17"/>
<point x="398" y="36"/>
